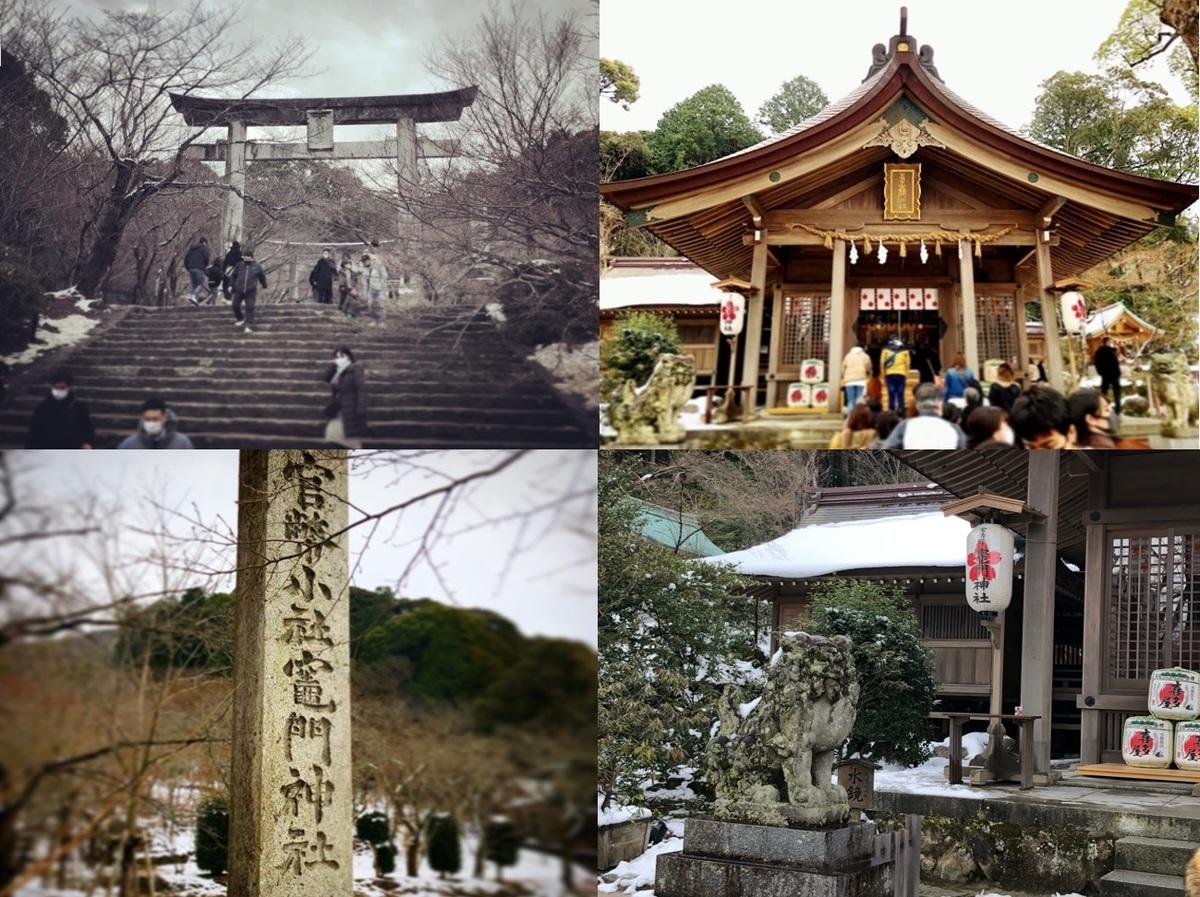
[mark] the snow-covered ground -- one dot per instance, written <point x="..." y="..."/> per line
<point x="538" y="873"/>
<point x="576" y="370"/>
<point x="68" y="318"/>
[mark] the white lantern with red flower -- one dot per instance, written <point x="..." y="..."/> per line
<point x="733" y="314"/>
<point x="989" y="568"/>
<point x="812" y="370"/>
<point x="1074" y="311"/>
<point x="799" y="395"/>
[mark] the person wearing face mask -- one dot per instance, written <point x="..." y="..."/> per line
<point x="60" y="420"/>
<point x="321" y="278"/>
<point x="157" y="429"/>
<point x="347" y="412"/>
<point x="1041" y="419"/>
<point x="1090" y="413"/>
<point x="987" y="428"/>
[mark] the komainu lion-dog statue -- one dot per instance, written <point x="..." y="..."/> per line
<point x="771" y="759"/>
<point x="1176" y="391"/>
<point x="649" y="414"/>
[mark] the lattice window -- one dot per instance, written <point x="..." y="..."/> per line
<point x="805" y="329"/>
<point x="951" y="621"/>
<point x="1153" y="615"/>
<point x="996" y="327"/>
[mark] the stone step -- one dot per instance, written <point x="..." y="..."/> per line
<point x="316" y="357"/>
<point x="1126" y="883"/>
<point x="379" y="397"/>
<point x="90" y="385"/>
<point x="261" y="433"/>
<point x="299" y="373"/>
<point x="1157" y="855"/>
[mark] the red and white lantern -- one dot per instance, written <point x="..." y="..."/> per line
<point x="1187" y="745"/>
<point x="733" y="314"/>
<point x="812" y="370"/>
<point x="799" y="395"/>
<point x="989" y="568"/>
<point x="1174" y="694"/>
<point x="866" y="300"/>
<point x="883" y="299"/>
<point x="1148" y="743"/>
<point x="931" y="299"/>
<point x="916" y="299"/>
<point x="1074" y="311"/>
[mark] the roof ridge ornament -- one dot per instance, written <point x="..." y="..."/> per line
<point x="903" y="137"/>
<point x="882" y="54"/>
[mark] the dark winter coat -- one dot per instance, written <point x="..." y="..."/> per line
<point x="323" y="273"/>
<point x="349" y="399"/>
<point x="232" y="257"/>
<point x="60" y="424"/>
<point x="197" y="257"/>
<point x="247" y="276"/>
<point x="1107" y="363"/>
<point x="1002" y="396"/>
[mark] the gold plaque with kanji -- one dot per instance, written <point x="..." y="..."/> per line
<point x="902" y="191"/>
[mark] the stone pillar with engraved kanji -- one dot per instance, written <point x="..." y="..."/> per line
<point x="291" y="816"/>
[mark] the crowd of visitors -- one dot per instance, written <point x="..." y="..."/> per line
<point x="950" y="410"/>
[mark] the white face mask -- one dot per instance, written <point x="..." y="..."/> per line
<point x="342" y="362"/>
<point x="152" y="427"/>
<point x="1005" y="435"/>
<point x="59" y="394"/>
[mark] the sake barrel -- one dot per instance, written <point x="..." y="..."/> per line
<point x="1175" y="694"/>
<point x="799" y="395"/>
<point x="1147" y="743"/>
<point x="812" y="370"/>
<point x="820" y="394"/>
<point x="1187" y="745"/>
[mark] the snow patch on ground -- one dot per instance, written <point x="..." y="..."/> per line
<point x="633" y="876"/>
<point x="617" y="813"/>
<point x="53" y="334"/>
<point x="576" y="369"/>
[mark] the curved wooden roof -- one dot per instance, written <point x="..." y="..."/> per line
<point x="1106" y="209"/>
<point x="422" y="107"/>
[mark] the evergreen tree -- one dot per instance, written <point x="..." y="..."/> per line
<point x="503" y="844"/>
<point x="212" y="835"/>
<point x="795" y="101"/>
<point x="706" y="126"/>
<point x="445" y="850"/>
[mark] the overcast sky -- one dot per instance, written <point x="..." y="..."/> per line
<point x="549" y="586"/>
<point x="993" y="55"/>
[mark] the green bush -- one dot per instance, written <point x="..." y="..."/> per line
<point x="895" y="670"/>
<point x="630" y="351"/>
<point x="503" y="843"/>
<point x="445" y="852"/>
<point x="212" y="835"/>
<point x="20" y="302"/>
<point x="372" y="828"/>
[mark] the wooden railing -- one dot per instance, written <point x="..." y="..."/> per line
<point x="902" y="847"/>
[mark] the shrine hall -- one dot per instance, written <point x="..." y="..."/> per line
<point x="899" y="209"/>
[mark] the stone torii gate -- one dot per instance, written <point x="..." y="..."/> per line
<point x="320" y="115"/>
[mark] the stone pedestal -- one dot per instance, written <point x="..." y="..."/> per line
<point x="731" y="859"/>
<point x="291" y="812"/>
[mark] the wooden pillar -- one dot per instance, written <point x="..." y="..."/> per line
<point x="1022" y="371"/>
<point x="406" y="166"/>
<point x="1045" y="275"/>
<point x="235" y="177"/>
<point x="966" y="275"/>
<point x="1093" y="629"/>
<point x="1041" y="561"/>
<point x="948" y="312"/>
<point x="837" y="325"/>
<point x="752" y="335"/>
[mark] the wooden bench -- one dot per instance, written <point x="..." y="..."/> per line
<point x="1025" y="724"/>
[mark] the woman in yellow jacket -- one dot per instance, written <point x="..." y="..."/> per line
<point x="895" y="361"/>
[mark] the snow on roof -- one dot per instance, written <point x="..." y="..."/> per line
<point x="915" y="540"/>
<point x="1103" y="319"/>
<point x="659" y="288"/>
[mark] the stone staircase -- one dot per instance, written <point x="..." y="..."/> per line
<point x="436" y="378"/>
<point x="1148" y="867"/>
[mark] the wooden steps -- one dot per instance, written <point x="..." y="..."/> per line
<point x="1121" y="771"/>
